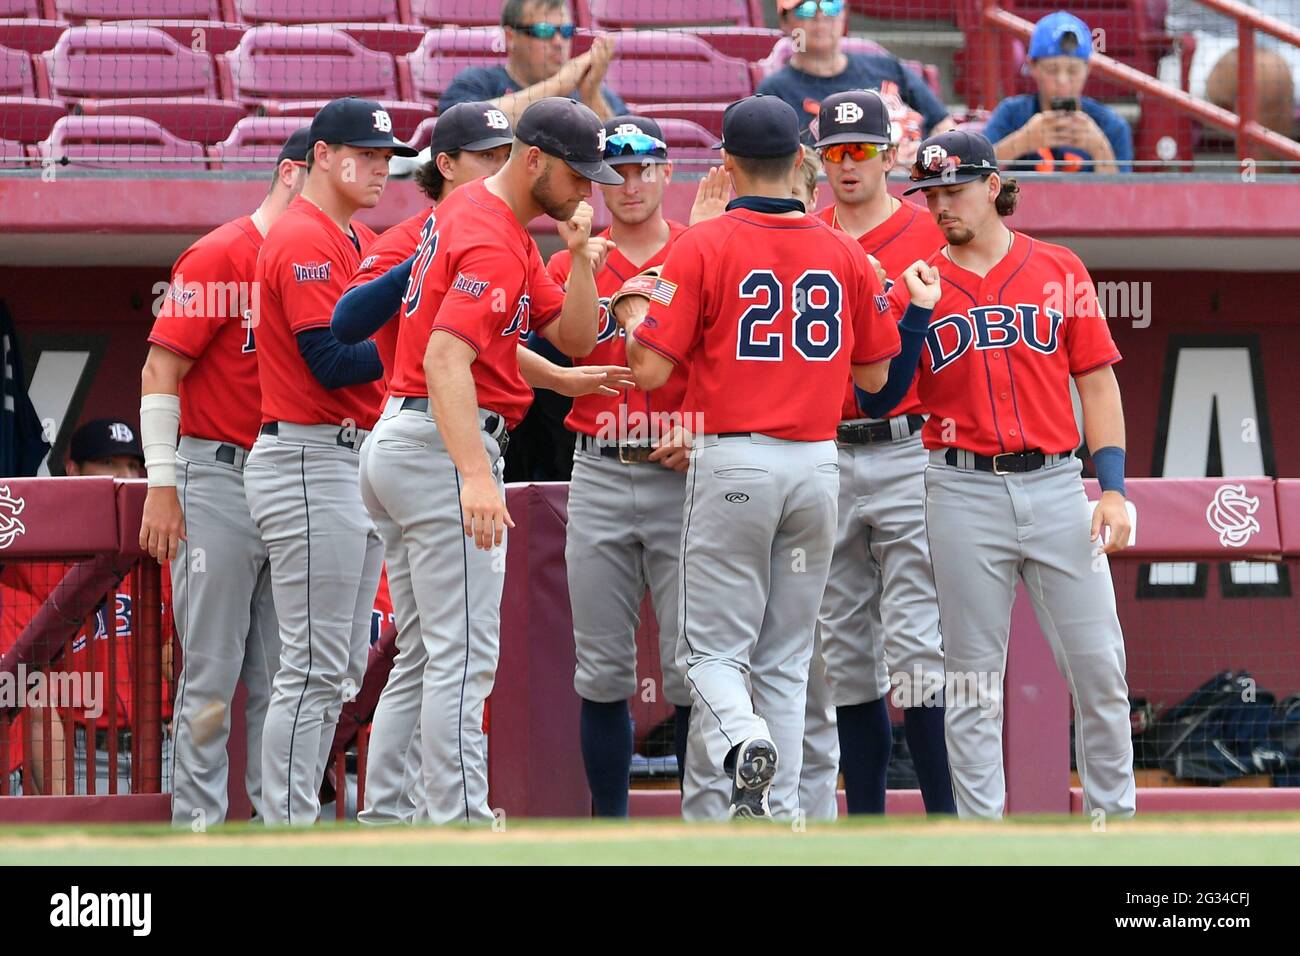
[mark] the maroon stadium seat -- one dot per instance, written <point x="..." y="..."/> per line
<point x="119" y="142"/>
<point x="423" y="135"/>
<point x="255" y="141"/>
<point x="638" y="14"/>
<point x="81" y="11"/>
<point x="459" y="13"/>
<point x="306" y="63"/>
<point x="744" y="43"/>
<point x="25" y="8"/>
<point x="316" y="11"/>
<point x="17" y="78"/>
<point x="118" y="60"/>
<point x="444" y="52"/>
<point x="406" y="116"/>
<point x="203" y="120"/>
<point x="706" y="115"/>
<point x="28" y="120"/>
<point x="30" y="36"/>
<point x="688" y="141"/>
<point x="13" y="154"/>
<point x="203" y="36"/>
<point x="659" y="66"/>
<point x="395" y="39"/>
<point x="905" y="10"/>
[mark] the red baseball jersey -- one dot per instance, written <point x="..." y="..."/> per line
<point x="592" y="414"/>
<point x="907" y="235"/>
<point x="303" y="268"/>
<point x="207" y="315"/>
<point x="393" y="247"/>
<point x="479" y="277"/>
<point x="768" y="349"/>
<point x="996" y="366"/>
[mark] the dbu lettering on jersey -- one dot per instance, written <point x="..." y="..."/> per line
<point x="312" y="272"/>
<point x="992" y="327"/>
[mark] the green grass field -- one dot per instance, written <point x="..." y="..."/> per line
<point x="1248" y="840"/>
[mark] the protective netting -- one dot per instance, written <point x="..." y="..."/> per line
<point x="218" y="84"/>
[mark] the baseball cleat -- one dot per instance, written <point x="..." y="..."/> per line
<point x="752" y="778"/>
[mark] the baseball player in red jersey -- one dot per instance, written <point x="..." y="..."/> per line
<point x="319" y="399"/>
<point x="432" y="470"/>
<point x="200" y="382"/>
<point x="879" y="621"/>
<point x="769" y="309"/>
<point x="625" y="497"/>
<point x="1003" y="499"/>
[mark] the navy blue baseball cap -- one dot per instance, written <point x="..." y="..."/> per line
<point x="1053" y="29"/>
<point x="474" y="127"/>
<point x="634" y="139"/>
<point x="952" y="158"/>
<point x="104" y="438"/>
<point x="854" y="116"/>
<point x="295" y="147"/>
<point x="568" y="130"/>
<point x="760" y="127"/>
<point x="355" y="122"/>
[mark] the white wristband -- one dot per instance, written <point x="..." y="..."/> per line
<point x="160" y="422"/>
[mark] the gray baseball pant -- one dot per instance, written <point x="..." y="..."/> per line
<point x="326" y="559"/>
<point x="225" y="619"/>
<point x="986" y="532"/>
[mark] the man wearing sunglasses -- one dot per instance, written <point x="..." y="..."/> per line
<point x="820" y="68"/>
<point x="200" y="383"/>
<point x="539" y="38"/>
<point x="879" y="617"/>
<point x="625" y="497"/>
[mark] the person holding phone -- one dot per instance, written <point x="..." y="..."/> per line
<point x="1058" y="129"/>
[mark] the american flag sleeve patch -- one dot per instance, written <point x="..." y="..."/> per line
<point x="663" y="292"/>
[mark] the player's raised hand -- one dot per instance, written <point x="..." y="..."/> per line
<point x="577" y="230"/>
<point x="711" y="196"/>
<point x="484" y="513"/>
<point x="880" y="270"/>
<point x="593" y="380"/>
<point x="922" y="284"/>
<point x="1111" y="514"/>
<point x="162" y="528"/>
<point x="674" y="449"/>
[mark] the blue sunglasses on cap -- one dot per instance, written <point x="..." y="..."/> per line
<point x="635" y="144"/>
<point x="808" y="9"/>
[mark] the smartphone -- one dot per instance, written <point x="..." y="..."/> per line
<point x="1067" y="103"/>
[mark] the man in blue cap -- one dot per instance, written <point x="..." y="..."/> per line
<point x="1058" y="129"/>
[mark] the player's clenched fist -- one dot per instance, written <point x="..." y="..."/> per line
<point x="163" y="526"/>
<point x="922" y="284"/>
<point x="598" y="250"/>
<point x="577" y="230"/>
<point x="1111" y="514"/>
<point x="484" y="513"/>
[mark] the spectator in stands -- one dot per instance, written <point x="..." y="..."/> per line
<point x="1058" y="129"/>
<point x="105" y="446"/>
<point x="818" y="67"/>
<point x="539" y="37"/>
<point x="1213" y="71"/>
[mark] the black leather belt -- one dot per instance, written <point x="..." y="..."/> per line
<point x="627" y="454"/>
<point x="870" y="433"/>
<point x="735" y="434"/>
<point x="1008" y="463"/>
<point x="420" y="403"/>
<point x="270" y="428"/>
<point x="226" y="454"/>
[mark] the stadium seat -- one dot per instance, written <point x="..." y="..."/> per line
<point x="119" y="142"/>
<point x="406" y="116"/>
<point x="705" y="115"/>
<point x="83" y="11"/>
<point x="423" y="135"/>
<point x="254" y="141"/>
<point x="659" y="66"/>
<point x="28" y="120"/>
<point x="118" y="60"/>
<point x="637" y="14"/>
<point x="429" y="69"/>
<point x="17" y="78"/>
<point x="688" y="141"/>
<point x="395" y="39"/>
<point x="458" y="13"/>
<point x="203" y="36"/>
<point x="316" y="11"/>
<point x="305" y="63"/>
<point x="24" y="8"/>
<point x="13" y="154"/>
<point x="30" y="36"/>
<point x="744" y="43"/>
<point x="904" y="9"/>
<point x="203" y="120"/>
